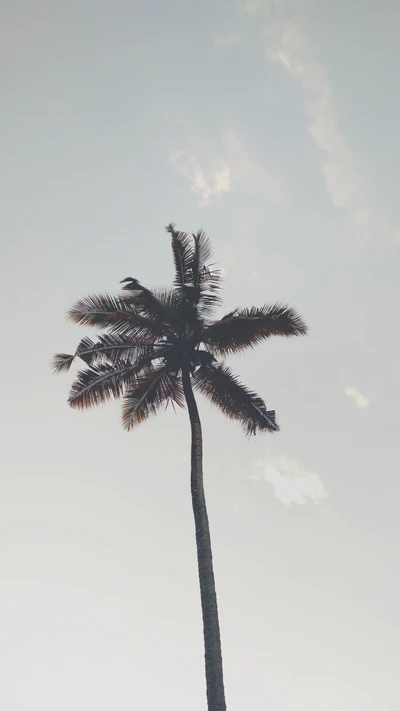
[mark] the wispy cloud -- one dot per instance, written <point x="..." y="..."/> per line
<point x="206" y="184"/>
<point x="223" y="168"/>
<point x="291" y="483"/>
<point x="348" y="188"/>
<point x="224" y="40"/>
<point x="360" y="400"/>
<point x="344" y="183"/>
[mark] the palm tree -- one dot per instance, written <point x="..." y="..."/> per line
<point x="160" y="345"/>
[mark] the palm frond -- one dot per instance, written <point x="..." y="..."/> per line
<point x="99" y="383"/>
<point x="153" y="388"/>
<point x="62" y="362"/>
<point x="116" y="315"/>
<point x="112" y="348"/>
<point x="102" y="381"/>
<point x="164" y="305"/>
<point x="201" y="254"/>
<point x="194" y="278"/>
<point x="204" y="280"/>
<point x="210" y="291"/>
<point x="182" y="250"/>
<point x="244" y="328"/>
<point x="203" y="248"/>
<point x="236" y="401"/>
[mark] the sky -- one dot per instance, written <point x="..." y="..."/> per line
<point x="273" y="125"/>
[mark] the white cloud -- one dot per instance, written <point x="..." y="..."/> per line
<point x="225" y="40"/>
<point x="216" y="176"/>
<point x="291" y="483"/>
<point x="206" y="184"/>
<point x="360" y="399"/>
<point x="344" y="183"/>
<point x="347" y="187"/>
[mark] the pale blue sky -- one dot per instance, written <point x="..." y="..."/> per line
<point x="274" y="126"/>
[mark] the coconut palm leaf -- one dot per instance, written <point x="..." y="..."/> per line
<point x="194" y="279"/>
<point x="153" y="388"/>
<point x="244" y="328"/>
<point x="208" y="281"/>
<point x="113" y="348"/>
<point x="236" y="401"/>
<point x="163" y="305"/>
<point x="116" y="315"/>
<point x="62" y="362"/>
<point x="101" y="382"/>
<point x="182" y="252"/>
<point x="203" y="251"/>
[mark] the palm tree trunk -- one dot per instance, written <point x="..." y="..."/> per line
<point x="212" y="639"/>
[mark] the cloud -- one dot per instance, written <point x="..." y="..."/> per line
<point x="360" y="399"/>
<point x="291" y="483"/>
<point x="206" y="184"/>
<point x="344" y="183"/>
<point x="217" y="175"/>
<point x="347" y="187"/>
<point x="225" y="40"/>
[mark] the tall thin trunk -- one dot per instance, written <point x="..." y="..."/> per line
<point x="212" y="639"/>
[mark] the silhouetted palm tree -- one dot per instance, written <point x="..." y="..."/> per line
<point x="158" y="346"/>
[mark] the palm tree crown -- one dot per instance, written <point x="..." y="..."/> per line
<point x="150" y="336"/>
